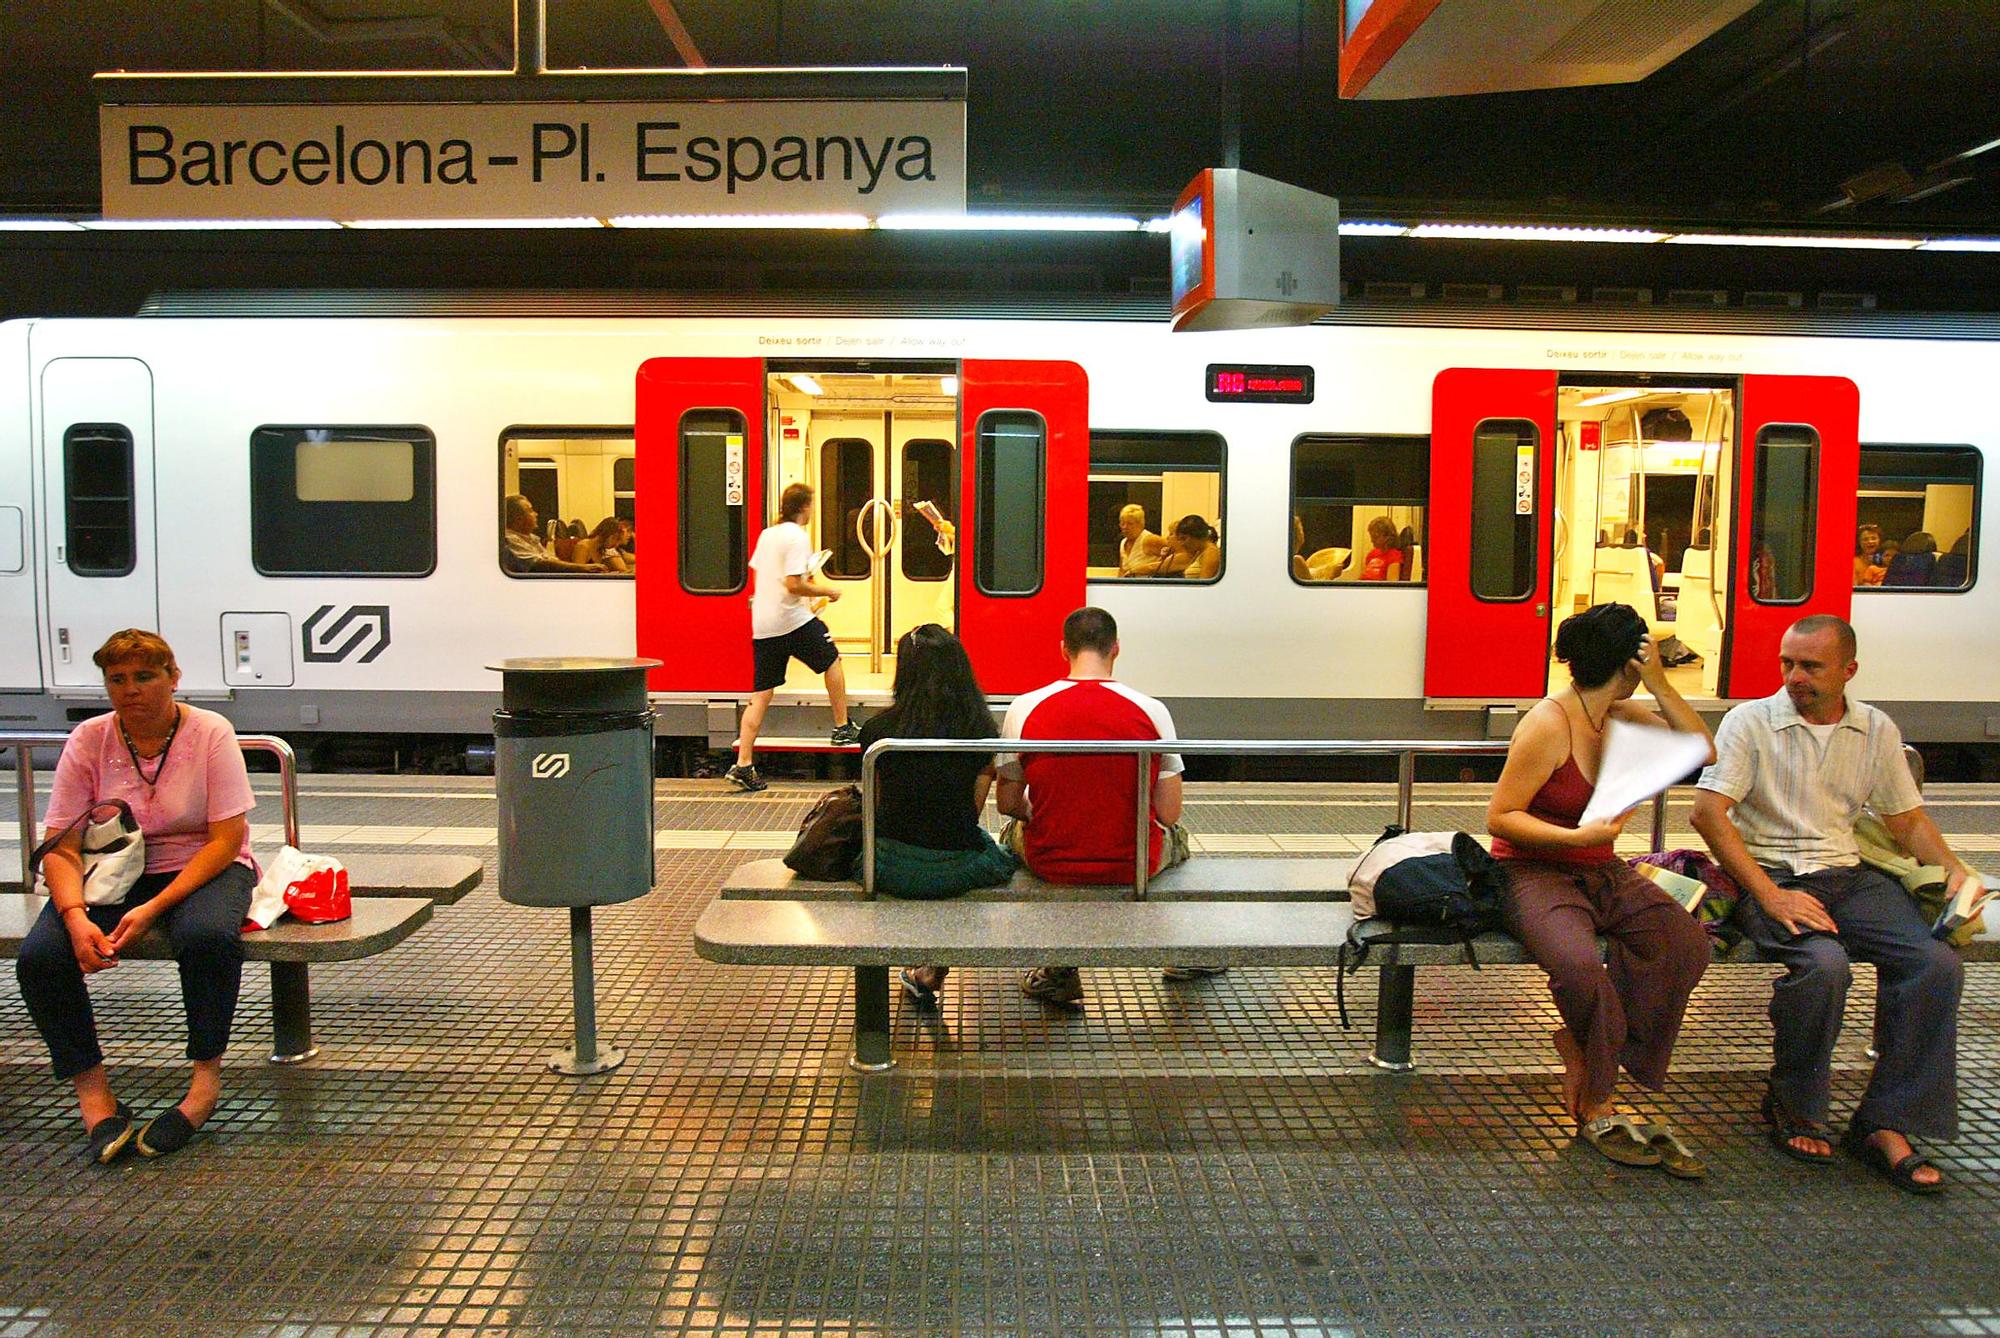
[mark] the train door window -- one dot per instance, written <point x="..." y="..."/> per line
<point x="1155" y="506"/>
<point x="927" y="476"/>
<point x="343" y="501"/>
<point x="1505" y="470"/>
<point x="1012" y="446"/>
<point x="561" y="489"/>
<point x="1358" y="508"/>
<point x="846" y="485"/>
<point x="99" y="535"/>
<point x="1784" y="514"/>
<point x="1919" y="508"/>
<point x="714" y="538"/>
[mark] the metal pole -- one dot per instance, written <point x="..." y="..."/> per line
<point x="531" y="36"/>
<point x="587" y="1057"/>
<point x="1142" y="861"/>
<point x="1406" y="789"/>
<point x="24" y="781"/>
<point x="868" y="819"/>
<point x="1659" y="821"/>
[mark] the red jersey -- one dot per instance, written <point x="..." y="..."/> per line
<point x="1083" y="806"/>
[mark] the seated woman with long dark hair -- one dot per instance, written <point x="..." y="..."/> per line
<point x="928" y="841"/>
<point x="1566" y="886"/>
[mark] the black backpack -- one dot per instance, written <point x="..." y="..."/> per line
<point x="1434" y="887"/>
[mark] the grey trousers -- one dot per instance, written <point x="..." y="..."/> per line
<point x="1914" y="1089"/>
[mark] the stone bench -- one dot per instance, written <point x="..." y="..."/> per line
<point x="1203" y="878"/>
<point x="379" y="923"/>
<point x="444" y="879"/>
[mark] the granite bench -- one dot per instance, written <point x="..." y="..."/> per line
<point x="1203" y="878"/>
<point x="443" y="879"/>
<point x="379" y="923"/>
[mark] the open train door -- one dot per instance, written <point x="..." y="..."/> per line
<point x="699" y="470"/>
<point x="1490" y="533"/>
<point x="1021" y="554"/>
<point x="1798" y="473"/>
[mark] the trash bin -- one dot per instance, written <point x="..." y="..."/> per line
<point x="573" y="767"/>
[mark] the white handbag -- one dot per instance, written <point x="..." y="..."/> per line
<point x="113" y="849"/>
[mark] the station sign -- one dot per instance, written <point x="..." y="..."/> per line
<point x="526" y="160"/>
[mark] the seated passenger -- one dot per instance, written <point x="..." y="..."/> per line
<point x="1954" y="569"/>
<point x="604" y="546"/>
<point x="1566" y="885"/>
<point x="1193" y="552"/>
<point x="191" y="797"/>
<point x="523" y="549"/>
<point x="1385" y="560"/>
<point x="1073" y="813"/>
<point x="928" y="841"/>
<point x="1867" y="545"/>
<point x="1139" y="549"/>
<point x="1914" y="565"/>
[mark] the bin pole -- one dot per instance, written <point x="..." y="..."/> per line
<point x="587" y="1057"/>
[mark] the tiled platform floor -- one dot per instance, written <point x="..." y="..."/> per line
<point x="1206" y="1159"/>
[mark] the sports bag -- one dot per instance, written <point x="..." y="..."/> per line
<point x="112" y="847"/>
<point x="829" y="841"/>
<point x="1435" y="887"/>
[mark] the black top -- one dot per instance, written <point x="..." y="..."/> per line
<point x="925" y="799"/>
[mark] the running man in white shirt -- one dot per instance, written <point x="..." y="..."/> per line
<point x="783" y="627"/>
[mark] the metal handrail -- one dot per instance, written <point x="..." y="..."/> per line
<point x="1405" y="751"/>
<point x="24" y="742"/>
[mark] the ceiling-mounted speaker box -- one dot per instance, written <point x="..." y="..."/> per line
<point x="1250" y="252"/>
<point x="1438" y="48"/>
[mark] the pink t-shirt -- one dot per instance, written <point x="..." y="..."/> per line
<point x="203" y="781"/>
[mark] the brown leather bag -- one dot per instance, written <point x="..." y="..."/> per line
<point x="829" y="842"/>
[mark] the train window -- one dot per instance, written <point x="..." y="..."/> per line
<point x="1919" y="509"/>
<point x="1358" y="509"/>
<point x="1784" y="514"/>
<point x="927" y="477"/>
<point x="99" y="534"/>
<point x="1155" y="506"/>
<point x="846" y="485"/>
<point x="565" y="492"/>
<point x="1011" y="446"/>
<point x="1505" y="467"/>
<point x="343" y="501"/>
<point x="714" y="538"/>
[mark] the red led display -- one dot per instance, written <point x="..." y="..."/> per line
<point x="1238" y="384"/>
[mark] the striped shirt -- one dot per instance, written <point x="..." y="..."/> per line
<point x="1796" y="797"/>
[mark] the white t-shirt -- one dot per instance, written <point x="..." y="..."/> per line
<point x="784" y="549"/>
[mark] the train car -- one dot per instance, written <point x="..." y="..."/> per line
<point x="1385" y="515"/>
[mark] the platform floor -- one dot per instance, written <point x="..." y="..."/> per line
<point x="1209" y="1159"/>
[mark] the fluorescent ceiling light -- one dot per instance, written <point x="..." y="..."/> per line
<point x="1373" y="230"/>
<point x="1157" y="225"/>
<point x="38" y="225"/>
<point x="1962" y="244"/>
<point x="1611" y="397"/>
<point x="832" y="221"/>
<point x="1975" y="151"/>
<point x="387" y="223"/>
<point x="947" y="385"/>
<point x="803" y="383"/>
<point x="1007" y="223"/>
<point x="202" y="224"/>
<point x="1822" y="243"/>
<point x="1498" y="232"/>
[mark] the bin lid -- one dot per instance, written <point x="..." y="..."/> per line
<point x="565" y="684"/>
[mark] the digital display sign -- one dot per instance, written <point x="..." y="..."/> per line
<point x="1236" y="383"/>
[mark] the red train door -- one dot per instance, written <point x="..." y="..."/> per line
<point x="699" y="476"/>
<point x="1021" y="553"/>
<point x="1798" y="471"/>
<point x="1489" y="533"/>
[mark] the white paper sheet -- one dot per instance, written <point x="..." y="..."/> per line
<point x="1638" y="762"/>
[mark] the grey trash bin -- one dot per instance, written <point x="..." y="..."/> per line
<point x="573" y="768"/>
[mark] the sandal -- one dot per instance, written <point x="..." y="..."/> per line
<point x="164" y="1133"/>
<point x="1676" y="1159"/>
<point x="110" y="1136"/>
<point x="1902" y="1174"/>
<point x="1620" y="1138"/>
<point x="1782" y="1127"/>
<point x="919" y="994"/>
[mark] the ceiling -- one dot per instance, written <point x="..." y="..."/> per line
<point x="1115" y="104"/>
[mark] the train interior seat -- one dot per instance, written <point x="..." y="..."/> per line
<point x="1625" y="576"/>
<point x="1696" y="623"/>
<point x="1330" y="564"/>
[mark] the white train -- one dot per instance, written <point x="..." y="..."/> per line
<point x="310" y="508"/>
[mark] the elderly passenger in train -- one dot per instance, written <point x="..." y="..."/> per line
<point x="928" y="841"/>
<point x="178" y="769"/>
<point x="1193" y="552"/>
<point x="523" y="549"/>
<point x="1139" y="549"/>
<point x="1566" y="886"/>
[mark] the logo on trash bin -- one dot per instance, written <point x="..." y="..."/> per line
<point x="550" y="766"/>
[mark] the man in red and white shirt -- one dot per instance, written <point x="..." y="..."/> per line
<point x="1073" y="812"/>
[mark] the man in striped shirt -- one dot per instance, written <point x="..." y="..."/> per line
<point x="1792" y="773"/>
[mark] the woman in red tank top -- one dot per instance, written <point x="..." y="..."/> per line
<point x="1567" y="886"/>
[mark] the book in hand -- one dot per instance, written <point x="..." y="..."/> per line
<point x="1687" y="891"/>
<point x="1962" y="907"/>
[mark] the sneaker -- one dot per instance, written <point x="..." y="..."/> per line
<point x="1058" y="985"/>
<point x="745" y="778"/>
<point x="844" y="735"/>
<point x="1190" y="972"/>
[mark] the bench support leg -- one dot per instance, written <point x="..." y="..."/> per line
<point x="291" y="1014"/>
<point x="871" y="1021"/>
<point x="586" y="1056"/>
<point x="1395" y="1005"/>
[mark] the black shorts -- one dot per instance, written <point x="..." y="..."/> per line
<point x="810" y="643"/>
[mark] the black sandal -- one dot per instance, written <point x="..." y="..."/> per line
<point x="164" y="1133"/>
<point x="110" y="1136"/>
<point x="1902" y="1174"/>
<point x="1781" y="1127"/>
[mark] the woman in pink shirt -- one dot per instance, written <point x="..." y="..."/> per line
<point x="180" y="770"/>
